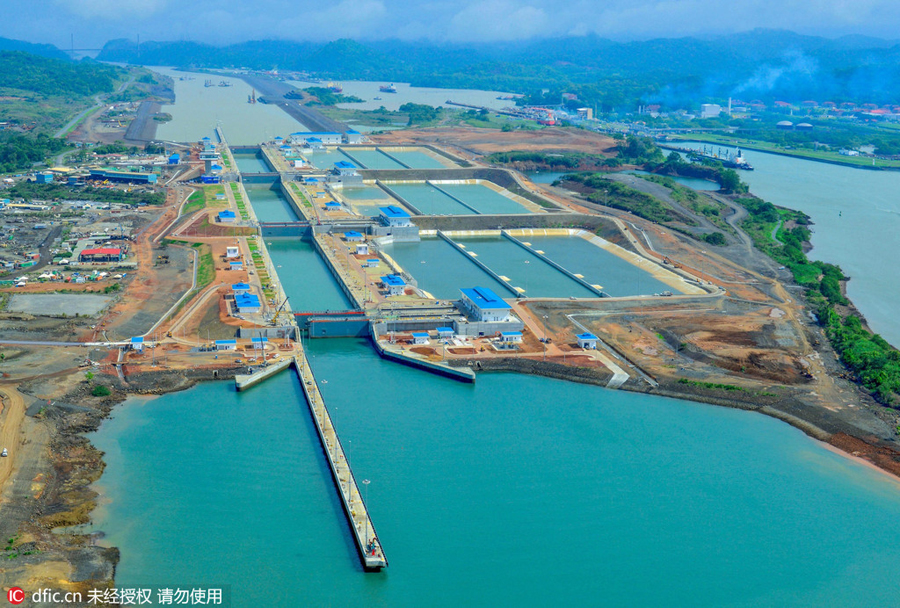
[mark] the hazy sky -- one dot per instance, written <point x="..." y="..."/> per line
<point x="223" y="21"/>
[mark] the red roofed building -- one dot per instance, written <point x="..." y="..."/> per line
<point x="103" y="254"/>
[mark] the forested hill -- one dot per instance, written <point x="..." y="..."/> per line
<point x="44" y="50"/>
<point x="764" y="64"/>
<point x="26" y="72"/>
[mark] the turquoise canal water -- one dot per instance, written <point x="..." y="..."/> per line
<point x="305" y="277"/>
<point x="524" y="269"/>
<point x="372" y="159"/>
<point x="251" y="162"/>
<point x="269" y="203"/>
<point x="421" y="160"/>
<point x="441" y="269"/>
<point x="599" y="267"/>
<point x="856" y="213"/>
<point x="483" y="199"/>
<point x="326" y="159"/>
<point x="367" y="200"/>
<point x="515" y="491"/>
<point x="429" y="200"/>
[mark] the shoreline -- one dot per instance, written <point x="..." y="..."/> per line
<point x="758" y="148"/>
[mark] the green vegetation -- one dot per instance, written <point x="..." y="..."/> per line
<point x="713" y="210"/>
<point x="206" y="271"/>
<point x="204" y="198"/>
<point x="50" y="192"/>
<point x="20" y="152"/>
<point x="604" y="191"/>
<point x="420" y="114"/>
<point x="116" y="148"/>
<point x="101" y="391"/>
<point x="552" y="161"/>
<point x="715" y="238"/>
<point x="875" y="362"/>
<point x="711" y="385"/>
<point x="327" y="97"/>
<point x="195" y="202"/>
<point x="51" y="77"/>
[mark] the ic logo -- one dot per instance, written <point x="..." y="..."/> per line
<point x="15" y="595"/>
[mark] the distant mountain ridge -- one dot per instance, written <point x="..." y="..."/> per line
<point x="43" y="50"/>
<point x="767" y="64"/>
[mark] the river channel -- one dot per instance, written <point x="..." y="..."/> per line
<point x="517" y="490"/>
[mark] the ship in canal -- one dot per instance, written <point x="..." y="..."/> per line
<point x="731" y="160"/>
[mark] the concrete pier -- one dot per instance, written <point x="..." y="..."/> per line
<point x="367" y="541"/>
<point x="245" y="381"/>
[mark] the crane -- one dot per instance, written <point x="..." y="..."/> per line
<point x="278" y="312"/>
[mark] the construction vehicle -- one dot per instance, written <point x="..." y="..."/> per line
<point x="278" y="312"/>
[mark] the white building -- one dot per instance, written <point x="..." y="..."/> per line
<point x="394" y="284"/>
<point x="226" y="344"/>
<point x="362" y="249"/>
<point x="420" y="337"/>
<point x="233" y="252"/>
<point x="394" y="216"/>
<point x="710" y="110"/>
<point x="510" y="337"/>
<point x="445" y="333"/>
<point x="587" y="341"/>
<point x="353" y="237"/>
<point x="483" y="305"/>
<point x="325" y="138"/>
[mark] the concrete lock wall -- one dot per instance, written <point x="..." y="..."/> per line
<point x="272" y="333"/>
<point x="450" y="223"/>
<point x="286" y="231"/>
<point x="341" y="328"/>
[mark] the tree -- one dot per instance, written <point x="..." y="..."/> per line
<point x="715" y="238"/>
<point x="730" y="181"/>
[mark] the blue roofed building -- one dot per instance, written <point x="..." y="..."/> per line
<point x="137" y="343"/>
<point x="394" y="284"/>
<point x="484" y="306"/>
<point x="420" y="337"/>
<point x="227" y="216"/>
<point x="342" y="167"/>
<point x="394" y="216"/>
<point x="247" y="303"/>
<point x="353" y="237"/>
<point x="587" y="341"/>
<point x="226" y="344"/>
<point x="238" y="288"/>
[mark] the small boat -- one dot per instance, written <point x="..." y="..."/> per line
<point x="4" y="453"/>
<point x="376" y="98"/>
<point x="388" y="88"/>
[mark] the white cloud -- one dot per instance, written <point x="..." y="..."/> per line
<point x="498" y="20"/>
<point x="113" y="10"/>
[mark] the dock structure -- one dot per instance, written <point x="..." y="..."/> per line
<point x="367" y="541"/>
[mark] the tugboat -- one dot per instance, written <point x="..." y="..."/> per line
<point x="388" y="88"/>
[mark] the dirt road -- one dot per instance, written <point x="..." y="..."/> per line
<point x="11" y="431"/>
